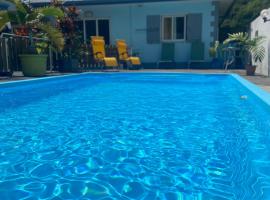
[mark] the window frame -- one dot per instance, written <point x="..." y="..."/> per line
<point x="86" y="40"/>
<point x="173" y="17"/>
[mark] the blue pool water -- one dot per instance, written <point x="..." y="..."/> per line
<point x="134" y="136"/>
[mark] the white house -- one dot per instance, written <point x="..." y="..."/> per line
<point x="146" y="24"/>
<point x="259" y="27"/>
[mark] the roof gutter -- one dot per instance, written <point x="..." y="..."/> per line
<point x="102" y="2"/>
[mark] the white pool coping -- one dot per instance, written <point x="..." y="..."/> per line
<point x="262" y="94"/>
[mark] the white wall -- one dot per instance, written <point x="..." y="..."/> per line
<point x="128" y="21"/>
<point x="263" y="29"/>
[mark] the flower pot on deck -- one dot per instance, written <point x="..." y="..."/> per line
<point x="250" y="70"/>
<point x="34" y="65"/>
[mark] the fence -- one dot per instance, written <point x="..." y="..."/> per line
<point x="11" y="46"/>
<point x="3" y="53"/>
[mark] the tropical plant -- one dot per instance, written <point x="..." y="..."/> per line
<point x="67" y="24"/>
<point x="213" y="51"/>
<point x="34" y="22"/>
<point x="41" y="47"/>
<point x="250" y="48"/>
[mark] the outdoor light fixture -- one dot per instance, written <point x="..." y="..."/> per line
<point x="265" y="14"/>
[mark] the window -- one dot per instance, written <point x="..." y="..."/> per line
<point x="173" y="28"/>
<point x="95" y="27"/>
<point x="104" y="29"/>
<point x="90" y="29"/>
<point x="167" y="28"/>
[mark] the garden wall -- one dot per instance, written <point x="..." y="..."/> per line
<point x="259" y="28"/>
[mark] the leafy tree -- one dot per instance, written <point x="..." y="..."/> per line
<point x="240" y="15"/>
<point x="34" y="22"/>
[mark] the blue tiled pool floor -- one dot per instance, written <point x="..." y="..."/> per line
<point x="134" y="136"/>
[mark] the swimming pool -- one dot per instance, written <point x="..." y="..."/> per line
<point x="135" y="136"/>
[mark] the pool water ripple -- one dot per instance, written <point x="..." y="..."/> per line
<point x="134" y="136"/>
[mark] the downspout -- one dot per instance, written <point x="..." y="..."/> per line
<point x="130" y="25"/>
<point x="268" y="53"/>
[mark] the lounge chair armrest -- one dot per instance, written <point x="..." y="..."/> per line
<point x="97" y="53"/>
<point x="124" y="53"/>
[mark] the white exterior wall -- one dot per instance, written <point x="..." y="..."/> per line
<point x="263" y="29"/>
<point x="128" y="21"/>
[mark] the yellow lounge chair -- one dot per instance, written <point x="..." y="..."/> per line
<point x="123" y="54"/>
<point x="98" y="45"/>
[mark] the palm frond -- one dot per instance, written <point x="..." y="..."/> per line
<point x="19" y="15"/>
<point x="51" y="11"/>
<point x="4" y="19"/>
<point x="258" y="53"/>
<point x="237" y="37"/>
<point x="255" y="46"/>
<point x="42" y="15"/>
<point x="258" y="40"/>
<point x="32" y="16"/>
<point x="20" y="6"/>
<point x="54" y="35"/>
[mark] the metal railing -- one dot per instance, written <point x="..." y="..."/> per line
<point x="11" y="46"/>
<point x="4" y="62"/>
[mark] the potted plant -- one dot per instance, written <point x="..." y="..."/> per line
<point x="251" y="50"/>
<point x="36" y="23"/>
<point x="71" y="56"/>
<point x="73" y="41"/>
<point x="35" y="64"/>
<point x="214" y="53"/>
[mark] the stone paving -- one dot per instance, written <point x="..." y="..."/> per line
<point x="261" y="81"/>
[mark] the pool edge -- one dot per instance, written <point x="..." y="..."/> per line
<point x="255" y="89"/>
<point x="34" y="79"/>
<point x="109" y="72"/>
<point x="262" y="94"/>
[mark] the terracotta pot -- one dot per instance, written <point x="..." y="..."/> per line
<point x="250" y="70"/>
